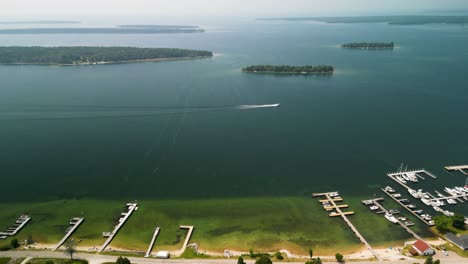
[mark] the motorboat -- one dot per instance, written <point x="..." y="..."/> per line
<point x="391" y="218"/>
<point x="400" y="179"/>
<point x="413" y="193"/>
<point x="426" y="201"/>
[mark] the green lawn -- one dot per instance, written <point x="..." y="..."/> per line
<point x="263" y="224"/>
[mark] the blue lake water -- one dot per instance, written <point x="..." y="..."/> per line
<point x="172" y="129"/>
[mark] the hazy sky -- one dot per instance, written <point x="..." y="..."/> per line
<point x="63" y="8"/>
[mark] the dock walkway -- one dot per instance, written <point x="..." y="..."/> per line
<point x="150" y="248"/>
<point x="376" y="203"/>
<point x="75" y="222"/>
<point x="460" y="168"/>
<point x="19" y="224"/>
<point x="406" y="207"/>
<point x="413" y="171"/>
<point x="131" y="208"/>
<point x="345" y="218"/>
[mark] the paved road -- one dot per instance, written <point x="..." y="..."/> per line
<point x="98" y="259"/>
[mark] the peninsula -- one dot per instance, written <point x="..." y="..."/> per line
<point x="286" y="69"/>
<point x="93" y="55"/>
<point x="369" y="45"/>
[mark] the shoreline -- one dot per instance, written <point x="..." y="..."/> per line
<point x="289" y="73"/>
<point x="108" y="62"/>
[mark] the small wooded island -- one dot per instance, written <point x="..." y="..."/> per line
<point x="93" y="55"/>
<point x="286" y="69"/>
<point x="369" y="45"/>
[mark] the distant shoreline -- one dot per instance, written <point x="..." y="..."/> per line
<point x="107" y="62"/>
<point x="289" y="73"/>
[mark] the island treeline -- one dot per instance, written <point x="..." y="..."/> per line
<point x="369" y="45"/>
<point x="91" y="55"/>
<point x="287" y="69"/>
<point x="118" y="30"/>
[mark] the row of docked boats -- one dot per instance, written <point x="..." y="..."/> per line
<point x="407" y="177"/>
<point x="457" y="191"/>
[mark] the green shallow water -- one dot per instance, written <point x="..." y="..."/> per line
<point x="174" y="131"/>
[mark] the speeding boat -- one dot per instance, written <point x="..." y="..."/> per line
<point x="391" y="218"/>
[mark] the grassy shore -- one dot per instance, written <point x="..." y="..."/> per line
<point x="263" y="224"/>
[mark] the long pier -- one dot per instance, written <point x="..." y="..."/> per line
<point x="131" y="208"/>
<point x="75" y="222"/>
<point x="345" y="218"/>
<point x="19" y="224"/>
<point x="406" y="207"/>
<point x="189" y="235"/>
<point x="376" y="203"/>
<point x="150" y="248"/>
<point x="460" y="168"/>
<point x="413" y="171"/>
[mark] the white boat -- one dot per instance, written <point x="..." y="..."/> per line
<point x="425" y="201"/>
<point x="400" y="179"/>
<point x="451" y="201"/>
<point x="404" y="176"/>
<point x="448" y="213"/>
<point x="397" y="195"/>
<point x="449" y="191"/>
<point x="389" y="189"/>
<point x="436" y="208"/>
<point x="413" y="193"/>
<point x="439" y="194"/>
<point x="391" y="218"/>
<point x="374" y="208"/>
<point x="412" y="176"/>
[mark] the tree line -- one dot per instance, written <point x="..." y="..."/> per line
<point x="369" y="45"/>
<point x="81" y="55"/>
<point x="289" y="69"/>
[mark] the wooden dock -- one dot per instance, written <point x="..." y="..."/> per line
<point x="348" y="222"/>
<point x="131" y="207"/>
<point x="376" y="203"/>
<point x="19" y="224"/>
<point x="150" y="248"/>
<point x="460" y="168"/>
<point x="189" y="235"/>
<point x="413" y="171"/>
<point x="75" y="222"/>
<point x="406" y="207"/>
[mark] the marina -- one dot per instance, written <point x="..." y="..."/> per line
<point x="402" y="221"/>
<point x="131" y="207"/>
<point x="417" y="213"/>
<point x="461" y="169"/>
<point x="74" y="223"/>
<point x="16" y="227"/>
<point x="153" y="240"/>
<point x="330" y="201"/>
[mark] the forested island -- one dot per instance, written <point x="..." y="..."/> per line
<point x="117" y="30"/>
<point x="93" y="55"/>
<point x="369" y="45"/>
<point x="286" y="69"/>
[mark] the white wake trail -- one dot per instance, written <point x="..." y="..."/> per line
<point x="244" y="107"/>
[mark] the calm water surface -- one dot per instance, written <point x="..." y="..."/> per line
<point x="172" y="129"/>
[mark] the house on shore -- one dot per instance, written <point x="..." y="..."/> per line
<point x="459" y="241"/>
<point x="421" y="248"/>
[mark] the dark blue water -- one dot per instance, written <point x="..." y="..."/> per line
<point x="171" y="129"/>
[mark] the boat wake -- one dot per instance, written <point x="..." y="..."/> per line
<point x="125" y="112"/>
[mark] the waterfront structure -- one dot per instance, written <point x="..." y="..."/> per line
<point x="422" y="248"/>
<point x="459" y="241"/>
